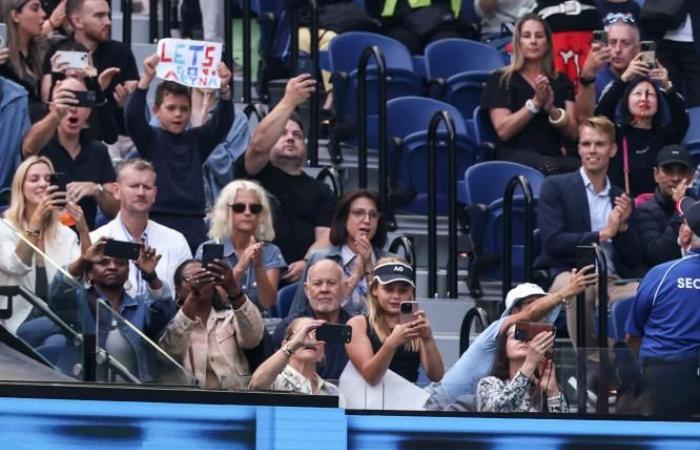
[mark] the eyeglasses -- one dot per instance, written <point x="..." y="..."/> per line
<point x="615" y="18"/>
<point x="360" y="214"/>
<point x="254" y="208"/>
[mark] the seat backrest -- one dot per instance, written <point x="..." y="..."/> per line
<point x="483" y="127"/>
<point x="448" y="57"/>
<point x="621" y="311"/>
<point x="693" y="134"/>
<point x="284" y="300"/>
<point x="407" y="115"/>
<point x="344" y="51"/>
<point x="485" y="182"/>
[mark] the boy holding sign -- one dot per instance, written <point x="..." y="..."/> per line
<point x="176" y="152"/>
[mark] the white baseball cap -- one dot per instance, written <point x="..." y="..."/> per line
<point x="521" y="292"/>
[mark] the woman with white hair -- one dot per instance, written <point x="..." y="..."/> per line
<point x="242" y="222"/>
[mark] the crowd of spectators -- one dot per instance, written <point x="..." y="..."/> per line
<point x="605" y="130"/>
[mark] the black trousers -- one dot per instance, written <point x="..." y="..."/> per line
<point x="673" y="387"/>
<point x="683" y="65"/>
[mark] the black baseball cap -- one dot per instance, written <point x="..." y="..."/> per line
<point x="690" y="209"/>
<point x="674" y="154"/>
<point x="394" y="271"/>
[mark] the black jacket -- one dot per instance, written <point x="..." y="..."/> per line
<point x="658" y="224"/>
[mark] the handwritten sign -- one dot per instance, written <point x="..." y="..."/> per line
<point x="190" y="63"/>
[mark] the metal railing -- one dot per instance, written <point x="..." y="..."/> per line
<point x="506" y="262"/>
<point x="376" y="52"/>
<point x="402" y="242"/>
<point x="439" y="117"/>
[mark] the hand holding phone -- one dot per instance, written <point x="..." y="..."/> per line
<point x="210" y="252"/>
<point x="600" y="36"/>
<point x="3" y="35"/>
<point x="525" y="331"/>
<point x="648" y="53"/>
<point x="72" y="59"/>
<point x="122" y="249"/>
<point x="331" y="332"/>
<point x="407" y="311"/>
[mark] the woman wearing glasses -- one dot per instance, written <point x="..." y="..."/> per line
<point x="242" y="222"/>
<point x="358" y="235"/>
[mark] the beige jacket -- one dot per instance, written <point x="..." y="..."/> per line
<point x="213" y="354"/>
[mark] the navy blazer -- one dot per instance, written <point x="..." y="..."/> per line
<point x="565" y="223"/>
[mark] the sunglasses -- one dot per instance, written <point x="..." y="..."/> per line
<point x="254" y="208"/>
<point x="615" y="18"/>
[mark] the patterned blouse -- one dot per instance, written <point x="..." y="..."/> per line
<point x="292" y="381"/>
<point x="496" y="395"/>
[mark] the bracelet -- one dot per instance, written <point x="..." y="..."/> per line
<point x="100" y="189"/>
<point x="530" y="106"/>
<point x="148" y="277"/>
<point x="561" y="121"/>
<point x="287" y="351"/>
<point x="586" y="81"/>
<point x="561" y="297"/>
<point x="32" y="233"/>
<point x="236" y="297"/>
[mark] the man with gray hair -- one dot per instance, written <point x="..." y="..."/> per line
<point x="135" y="189"/>
<point x="324" y="289"/>
<point x="664" y="325"/>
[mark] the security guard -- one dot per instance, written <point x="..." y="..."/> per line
<point x="665" y="317"/>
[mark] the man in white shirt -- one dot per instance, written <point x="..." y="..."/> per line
<point x="136" y="191"/>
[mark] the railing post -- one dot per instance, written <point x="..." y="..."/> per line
<point x="506" y="262"/>
<point x="294" y="38"/>
<point x="603" y="382"/>
<point x="362" y="118"/>
<point x="314" y="106"/>
<point x="442" y="116"/>
<point x="126" y="22"/>
<point x="166" y="18"/>
<point x="227" y="57"/>
<point x="153" y="31"/>
<point x="247" y="82"/>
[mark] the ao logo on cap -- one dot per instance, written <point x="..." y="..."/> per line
<point x="398" y="268"/>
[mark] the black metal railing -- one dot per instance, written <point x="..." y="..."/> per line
<point x="440" y="117"/>
<point x="312" y="138"/>
<point x="506" y="262"/>
<point x="247" y="74"/>
<point x="126" y="22"/>
<point x="376" y="52"/>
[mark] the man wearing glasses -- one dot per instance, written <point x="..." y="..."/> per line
<point x="606" y="62"/>
<point x="303" y="207"/>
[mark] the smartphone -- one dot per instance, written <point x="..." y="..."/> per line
<point x="406" y="310"/>
<point x="58" y="179"/>
<point x="600" y="36"/>
<point x="122" y="249"/>
<point x="89" y="99"/>
<point x="585" y="256"/>
<point x="3" y="35"/>
<point x="331" y="332"/>
<point x="524" y="331"/>
<point x="73" y="60"/>
<point x="648" y="52"/>
<point x="210" y="252"/>
<point x="305" y="65"/>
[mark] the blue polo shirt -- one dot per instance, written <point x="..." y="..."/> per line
<point x="14" y="123"/>
<point x="666" y="310"/>
<point x="604" y="77"/>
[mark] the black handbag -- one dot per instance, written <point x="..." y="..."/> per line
<point x="659" y="16"/>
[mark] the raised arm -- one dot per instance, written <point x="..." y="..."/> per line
<point x="599" y="55"/>
<point x="270" y="129"/>
<point x="42" y="131"/>
<point x="214" y="131"/>
<point x="135" y="113"/>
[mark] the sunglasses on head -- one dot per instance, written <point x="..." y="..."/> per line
<point x="615" y="18"/>
<point x="254" y="208"/>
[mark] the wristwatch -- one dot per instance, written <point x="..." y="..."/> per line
<point x="530" y="105"/>
<point x="586" y="81"/>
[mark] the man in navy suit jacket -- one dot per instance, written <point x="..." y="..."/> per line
<point x="583" y="208"/>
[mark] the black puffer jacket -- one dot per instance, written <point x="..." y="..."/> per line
<point x="658" y="224"/>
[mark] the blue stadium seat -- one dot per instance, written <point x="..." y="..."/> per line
<point x="693" y="134"/>
<point x="484" y="185"/>
<point x="284" y="300"/>
<point x="484" y="134"/>
<point x="344" y="53"/>
<point x="448" y="57"/>
<point x="409" y="118"/>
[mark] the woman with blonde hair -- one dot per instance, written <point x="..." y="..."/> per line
<point x="530" y="105"/>
<point x="242" y="222"/>
<point x="22" y="56"/>
<point x="33" y="217"/>
<point x="380" y="341"/>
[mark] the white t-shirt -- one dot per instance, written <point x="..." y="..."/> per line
<point x="682" y="34"/>
<point x="169" y="243"/>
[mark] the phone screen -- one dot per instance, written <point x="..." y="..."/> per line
<point x="3" y="35"/>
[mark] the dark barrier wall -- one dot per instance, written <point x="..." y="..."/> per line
<point x="107" y="423"/>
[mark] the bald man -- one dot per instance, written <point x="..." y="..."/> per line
<point x="323" y="287"/>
